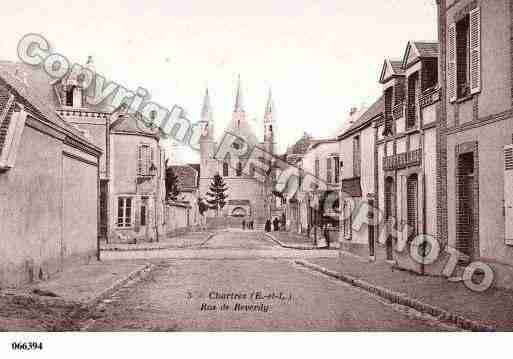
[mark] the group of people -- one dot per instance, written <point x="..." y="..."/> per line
<point x="275" y="224"/>
<point x="247" y="225"/>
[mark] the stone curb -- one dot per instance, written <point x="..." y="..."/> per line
<point x="281" y="244"/>
<point x="403" y="299"/>
<point x="142" y="249"/>
<point x="141" y="273"/>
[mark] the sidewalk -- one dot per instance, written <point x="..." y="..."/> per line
<point x="295" y="240"/>
<point x="187" y="240"/>
<point x="54" y="304"/>
<point x="437" y="296"/>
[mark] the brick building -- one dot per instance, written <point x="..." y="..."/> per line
<point x="476" y="127"/>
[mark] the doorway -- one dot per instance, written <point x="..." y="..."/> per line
<point x="389" y="213"/>
<point x="466" y="206"/>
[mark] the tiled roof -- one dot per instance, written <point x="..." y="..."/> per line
<point x="427" y="48"/>
<point x="187" y="176"/>
<point x="397" y="66"/>
<point x="133" y="123"/>
<point x="374" y="110"/>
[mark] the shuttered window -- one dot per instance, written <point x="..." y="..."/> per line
<point x="412" y="100"/>
<point x="225" y="169"/>
<point x="451" y="63"/>
<point x="317" y="168"/>
<point x="389" y="96"/>
<point x="11" y="129"/>
<point x="328" y="170"/>
<point x="464" y="56"/>
<point x="144" y="160"/>
<point x="508" y="194"/>
<point x="412" y="203"/>
<point x="238" y="172"/>
<point x="356" y="156"/>
<point x="475" y="50"/>
<point x="336" y="166"/>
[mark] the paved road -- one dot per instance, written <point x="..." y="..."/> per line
<point x="259" y="293"/>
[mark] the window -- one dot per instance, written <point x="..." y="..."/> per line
<point x="316" y="168"/>
<point x="356" y="157"/>
<point x="238" y="172"/>
<point x="336" y="165"/>
<point x="225" y="169"/>
<point x="389" y="96"/>
<point x="143" y="212"/>
<point x="328" y="170"/>
<point x="411" y="110"/>
<point x="464" y="56"/>
<point x="412" y="203"/>
<point x="144" y="160"/>
<point x="124" y="211"/>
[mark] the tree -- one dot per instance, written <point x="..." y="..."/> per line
<point x="217" y="194"/>
<point x="172" y="185"/>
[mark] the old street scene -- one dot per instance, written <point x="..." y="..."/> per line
<point x="261" y="198"/>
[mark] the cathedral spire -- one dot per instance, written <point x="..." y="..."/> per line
<point x="206" y="110"/>
<point x="269" y="107"/>
<point x="239" y="105"/>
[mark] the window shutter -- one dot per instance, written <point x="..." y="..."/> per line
<point x="12" y="139"/>
<point x="328" y="170"/>
<point x="475" y="50"/>
<point x="508" y="194"/>
<point x="451" y="63"/>
<point x="140" y="160"/>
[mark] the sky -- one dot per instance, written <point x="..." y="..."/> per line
<point x="319" y="57"/>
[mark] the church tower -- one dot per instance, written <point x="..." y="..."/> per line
<point x="207" y="143"/>
<point x="269" y="125"/>
<point x="239" y="115"/>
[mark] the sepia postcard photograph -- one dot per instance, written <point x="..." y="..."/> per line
<point x="230" y="169"/>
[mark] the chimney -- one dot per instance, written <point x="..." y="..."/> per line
<point x="352" y="111"/>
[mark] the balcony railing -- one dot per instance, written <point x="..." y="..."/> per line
<point x="398" y="111"/>
<point x="402" y="160"/>
<point x="429" y="97"/>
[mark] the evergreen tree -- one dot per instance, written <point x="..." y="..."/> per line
<point x="172" y="185"/>
<point x="216" y="194"/>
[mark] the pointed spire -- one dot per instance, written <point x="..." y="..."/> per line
<point x="90" y="63"/>
<point x="206" y="109"/>
<point x="239" y="105"/>
<point x="269" y="107"/>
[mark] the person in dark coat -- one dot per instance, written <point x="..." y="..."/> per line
<point x="268" y="225"/>
<point x="243" y="224"/>
<point x="276" y="224"/>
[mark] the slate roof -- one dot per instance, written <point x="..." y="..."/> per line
<point x="31" y="88"/>
<point x="188" y="176"/>
<point x="374" y="110"/>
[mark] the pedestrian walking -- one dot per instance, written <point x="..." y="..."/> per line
<point x="243" y="224"/>
<point x="268" y="225"/>
<point x="276" y="224"/>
